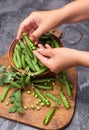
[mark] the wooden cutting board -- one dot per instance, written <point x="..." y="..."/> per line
<point x="61" y="118"/>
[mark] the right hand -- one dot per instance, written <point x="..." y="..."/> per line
<point x="38" y="23"/>
<point x="58" y="59"/>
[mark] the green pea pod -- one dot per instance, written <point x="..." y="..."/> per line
<point x="22" y="45"/>
<point x="43" y="80"/>
<point x="40" y="64"/>
<point x="17" y="47"/>
<point x="40" y="71"/>
<point x="18" y="55"/>
<point x="43" y="87"/>
<point x="30" y="44"/>
<point x="31" y="47"/>
<point x="60" y="78"/>
<point x="67" y="84"/>
<point x="53" y="97"/>
<point x="42" y="97"/>
<point x="52" y="44"/>
<point x="25" y="52"/>
<point x="23" y="61"/>
<point x="27" y="68"/>
<point x="15" y="61"/>
<point x="36" y="66"/>
<point x="34" y="59"/>
<point x="29" y="62"/>
<point x="69" y="90"/>
<point x="4" y="93"/>
<point x="49" y="116"/>
<point x="64" y="100"/>
<point x="29" y="52"/>
<point x="44" y="37"/>
<point x="55" y="43"/>
<point x="16" y="85"/>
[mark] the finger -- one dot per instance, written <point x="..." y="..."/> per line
<point x="32" y="27"/>
<point x="37" y="33"/>
<point x="31" y="30"/>
<point x="27" y="26"/>
<point x="47" y="46"/>
<point x="22" y="28"/>
<point x="40" y="45"/>
<point x="46" y="52"/>
<point x="36" y="42"/>
<point x="43" y="59"/>
<point x="19" y="33"/>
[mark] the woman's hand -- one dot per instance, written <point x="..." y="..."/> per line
<point x="58" y="59"/>
<point x="38" y="23"/>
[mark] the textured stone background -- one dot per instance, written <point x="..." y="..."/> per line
<point x="12" y="12"/>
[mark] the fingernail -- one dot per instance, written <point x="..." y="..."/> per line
<point x="40" y="49"/>
<point x="36" y="42"/>
<point x="34" y="51"/>
<point x="31" y="38"/>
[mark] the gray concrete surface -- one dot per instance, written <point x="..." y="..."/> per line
<point x="12" y="12"/>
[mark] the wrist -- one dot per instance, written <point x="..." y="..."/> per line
<point x="83" y="58"/>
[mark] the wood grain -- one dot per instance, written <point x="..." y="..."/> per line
<point x="61" y="118"/>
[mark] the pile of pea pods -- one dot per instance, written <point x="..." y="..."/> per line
<point x="24" y="58"/>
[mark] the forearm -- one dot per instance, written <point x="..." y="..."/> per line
<point x="40" y="22"/>
<point x="76" y="11"/>
<point x="83" y="58"/>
